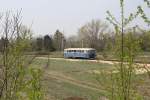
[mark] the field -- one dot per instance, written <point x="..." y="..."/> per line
<point x="71" y="78"/>
<point x="74" y="78"/>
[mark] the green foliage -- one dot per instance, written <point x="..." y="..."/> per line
<point x="39" y="44"/>
<point x="145" y="45"/>
<point x="48" y="44"/>
<point x="143" y="15"/>
<point x="126" y="48"/>
<point x="34" y="85"/>
<point x="14" y="63"/>
<point x="147" y="2"/>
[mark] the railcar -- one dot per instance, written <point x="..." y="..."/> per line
<point x="87" y="53"/>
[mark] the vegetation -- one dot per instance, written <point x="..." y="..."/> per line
<point x="126" y="48"/>
<point x="78" y="79"/>
<point x="34" y="69"/>
<point x="16" y="77"/>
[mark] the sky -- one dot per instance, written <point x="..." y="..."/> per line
<point x="46" y="16"/>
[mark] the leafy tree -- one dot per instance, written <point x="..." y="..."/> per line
<point x="145" y="38"/>
<point x="48" y="44"/>
<point x="126" y="48"/>
<point x="39" y="44"/>
<point x="14" y="81"/>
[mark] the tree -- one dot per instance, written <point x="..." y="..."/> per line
<point x="2" y="44"/>
<point x="48" y="44"/>
<point x="145" y="38"/>
<point x="126" y="48"/>
<point x="142" y="12"/>
<point x="91" y="34"/>
<point x="39" y="44"/>
<point x="14" y="69"/>
<point x="59" y="40"/>
<point x="72" y="42"/>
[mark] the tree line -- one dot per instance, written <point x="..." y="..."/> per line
<point x="94" y="34"/>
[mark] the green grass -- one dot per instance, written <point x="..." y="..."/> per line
<point x="60" y="90"/>
<point x="81" y="70"/>
<point x="78" y="71"/>
<point x="59" y="75"/>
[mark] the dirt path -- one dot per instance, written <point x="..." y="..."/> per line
<point x="67" y="79"/>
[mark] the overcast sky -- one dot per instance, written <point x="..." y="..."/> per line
<point x="65" y="15"/>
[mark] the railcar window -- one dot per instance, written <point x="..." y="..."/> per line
<point x="81" y="51"/>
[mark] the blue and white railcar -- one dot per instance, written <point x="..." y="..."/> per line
<point x="86" y="53"/>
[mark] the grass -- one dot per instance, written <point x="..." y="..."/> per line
<point x="71" y="78"/>
<point x="59" y="90"/>
<point x="78" y="70"/>
<point x="64" y="78"/>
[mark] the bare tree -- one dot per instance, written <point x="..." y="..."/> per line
<point x="72" y="42"/>
<point x="59" y="40"/>
<point x="92" y="33"/>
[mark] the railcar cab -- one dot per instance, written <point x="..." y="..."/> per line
<point x="86" y="53"/>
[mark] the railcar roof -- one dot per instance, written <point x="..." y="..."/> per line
<point x="79" y="49"/>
